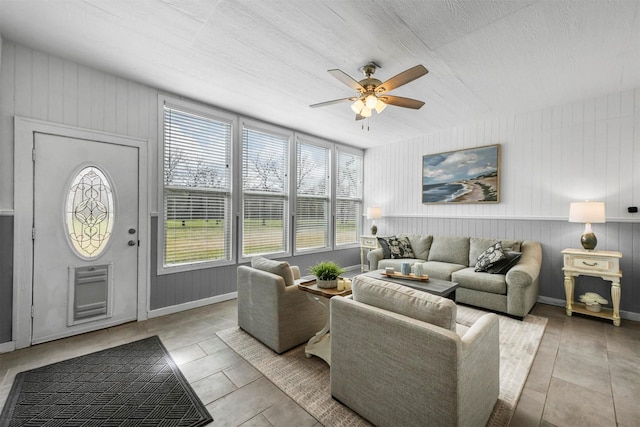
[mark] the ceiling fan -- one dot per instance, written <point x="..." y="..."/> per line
<point x="372" y="93"/>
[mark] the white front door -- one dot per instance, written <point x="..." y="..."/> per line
<point x="85" y="248"/>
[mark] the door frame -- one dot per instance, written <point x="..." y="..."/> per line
<point x="24" y="132"/>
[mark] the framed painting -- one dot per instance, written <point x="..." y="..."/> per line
<point x="471" y="175"/>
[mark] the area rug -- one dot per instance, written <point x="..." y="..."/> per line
<point x="135" y="384"/>
<point x="307" y="380"/>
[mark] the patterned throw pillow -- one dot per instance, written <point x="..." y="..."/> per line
<point x="396" y="247"/>
<point x="491" y="256"/>
<point x="502" y="267"/>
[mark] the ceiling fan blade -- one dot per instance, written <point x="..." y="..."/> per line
<point x="335" y="101"/>
<point x="400" y="101"/>
<point x="347" y="79"/>
<point x="403" y="78"/>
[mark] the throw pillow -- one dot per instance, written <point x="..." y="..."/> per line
<point x="281" y="268"/>
<point x="490" y="257"/>
<point x="502" y="267"/>
<point x="396" y="247"/>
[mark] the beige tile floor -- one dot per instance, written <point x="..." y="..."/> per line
<point x="586" y="372"/>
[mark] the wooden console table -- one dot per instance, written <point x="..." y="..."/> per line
<point x="603" y="264"/>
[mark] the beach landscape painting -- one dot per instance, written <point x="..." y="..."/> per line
<point x="463" y="176"/>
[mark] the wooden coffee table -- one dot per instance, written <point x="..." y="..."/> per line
<point x="439" y="287"/>
<point x="320" y="344"/>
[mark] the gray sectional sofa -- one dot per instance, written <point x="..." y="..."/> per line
<point x="454" y="259"/>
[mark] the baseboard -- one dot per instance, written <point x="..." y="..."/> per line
<point x="628" y="315"/>
<point x="6" y="347"/>
<point x="191" y="304"/>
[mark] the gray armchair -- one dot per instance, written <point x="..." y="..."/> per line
<point x="399" y="369"/>
<point x="272" y="309"/>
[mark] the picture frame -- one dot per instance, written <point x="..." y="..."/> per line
<point x="470" y="175"/>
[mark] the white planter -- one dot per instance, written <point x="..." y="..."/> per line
<point x="327" y="284"/>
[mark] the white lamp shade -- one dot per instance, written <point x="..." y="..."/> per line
<point x="374" y="213"/>
<point x="592" y="212"/>
<point x="357" y="106"/>
<point x="380" y="106"/>
<point x="371" y="102"/>
<point x="365" y="112"/>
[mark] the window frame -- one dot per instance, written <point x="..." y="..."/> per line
<point x="217" y="115"/>
<point x="359" y="218"/>
<point x="277" y="131"/>
<point x="331" y="147"/>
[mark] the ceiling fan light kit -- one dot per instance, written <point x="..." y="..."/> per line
<point x="371" y="92"/>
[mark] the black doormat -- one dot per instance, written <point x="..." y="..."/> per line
<point x="135" y="384"/>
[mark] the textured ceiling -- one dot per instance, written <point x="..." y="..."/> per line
<point x="269" y="59"/>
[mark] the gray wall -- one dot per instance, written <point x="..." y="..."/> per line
<point x="554" y="236"/>
<point x="6" y="277"/>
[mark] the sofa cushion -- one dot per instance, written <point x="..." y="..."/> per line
<point x="406" y="301"/>
<point x="395" y="247"/>
<point x="420" y="244"/>
<point x="480" y="281"/>
<point x="491" y="256"/>
<point x="450" y="249"/>
<point x="397" y="263"/>
<point x="440" y="270"/>
<point x="281" y="268"/>
<point x="510" y="259"/>
<point x="478" y="245"/>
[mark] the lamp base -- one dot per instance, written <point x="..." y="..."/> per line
<point x="374" y="230"/>
<point x="589" y="241"/>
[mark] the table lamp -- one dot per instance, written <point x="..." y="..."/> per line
<point x="587" y="212"/>
<point x="374" y="213"/>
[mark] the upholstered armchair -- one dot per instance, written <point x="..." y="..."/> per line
<point x="272" y="309"/>
<point x="396" y="358"/>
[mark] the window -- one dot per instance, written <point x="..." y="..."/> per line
<point x="196" y="191"/>
<point x="89" y="212"/>
<point x="348" y="197"/>
<point x="265" y="187"/>
<point x="313" y="190"/>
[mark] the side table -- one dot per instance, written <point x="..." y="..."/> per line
<point x="320" y="344"/>
<point x="603" y="264"/>
<point x="367" y="243"/>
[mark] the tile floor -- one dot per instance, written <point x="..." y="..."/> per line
<point x="586" y="372"/>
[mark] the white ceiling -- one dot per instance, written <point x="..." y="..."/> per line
<point x="269" y="59"/>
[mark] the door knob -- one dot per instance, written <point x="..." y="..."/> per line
<point x="131" y="243"/>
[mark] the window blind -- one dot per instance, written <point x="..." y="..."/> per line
<point x="312" y="196"/>
<point x="265" y="186"/>
<point x="348" y="197"/>
<point x="197" y="188"/>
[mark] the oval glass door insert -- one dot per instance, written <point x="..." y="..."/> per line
<point x="89" y="212"/>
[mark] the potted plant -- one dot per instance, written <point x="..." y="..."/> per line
<point x="592" y="301"/>
<point x="327" y="273"/>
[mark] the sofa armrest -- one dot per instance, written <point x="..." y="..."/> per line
<point x="479" y="375"/>
<point x="258" y="294"/>
<point x="296" y="272"/>
<point x="374" y="256"/>
<point x="527" y="270"/>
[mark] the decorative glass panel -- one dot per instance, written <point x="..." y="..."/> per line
<point x="89" y="212"/>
